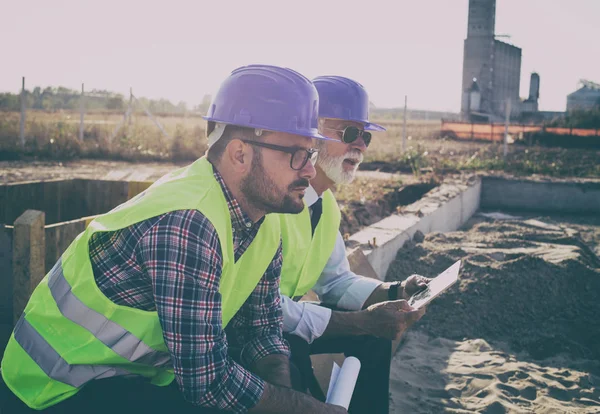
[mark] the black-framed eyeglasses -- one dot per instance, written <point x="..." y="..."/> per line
<point x="352" y="133"/>
<point x="300" y="156"/>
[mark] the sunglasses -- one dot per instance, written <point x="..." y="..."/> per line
<point x="352" y="133"/>
<point x="300" y="156"/>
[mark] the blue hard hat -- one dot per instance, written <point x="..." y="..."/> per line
<point x="267" y="97"/>
<point x="343" y="98"/>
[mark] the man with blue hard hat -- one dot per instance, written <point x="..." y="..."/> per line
<point x="315" y="258"/>
<point x="132" y="317"/>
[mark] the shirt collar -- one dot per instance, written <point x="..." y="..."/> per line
<point x="239" y="219"/>
<point x="310" y="196"/>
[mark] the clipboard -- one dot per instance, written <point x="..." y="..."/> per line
<point x="434" y="288"/>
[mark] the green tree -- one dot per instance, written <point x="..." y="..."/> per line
<point x="9" y="102"/>
<point x="115" y="103"/>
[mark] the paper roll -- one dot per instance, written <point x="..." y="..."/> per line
<point x="341" y="386"/>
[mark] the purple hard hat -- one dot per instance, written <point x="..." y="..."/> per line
<point x="343" y="98"/>
<point x="267" y="97"/>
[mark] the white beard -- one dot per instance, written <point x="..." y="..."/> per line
<point x="333" y="166"/>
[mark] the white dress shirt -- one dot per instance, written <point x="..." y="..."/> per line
<point x="337" y="285"/>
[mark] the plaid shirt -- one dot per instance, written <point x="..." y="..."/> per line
<point x="172" y="264"/>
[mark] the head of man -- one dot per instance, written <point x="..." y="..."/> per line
<point x="344" y="118"/>
<point x="337" y="159"/>
<point x="262" y="124"/>
<point x="271" y="169"/>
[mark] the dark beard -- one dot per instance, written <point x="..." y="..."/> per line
<point x="259" y="190"/>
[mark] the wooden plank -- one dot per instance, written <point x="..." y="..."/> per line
<point x="136" y="187"/>
<point x="20" y="197"/>
<point x="102" y="196"/>
<point x="28" y="257"/>
<point x="360" y="265"/>
<point x="58" y="237"/>
<point x="51" y="201"/>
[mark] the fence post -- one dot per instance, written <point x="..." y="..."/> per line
<point x="153" y="119"/>
<point x="472" y="136"/>
<point x="22" y="130"/>
<point x="404" y="125"/>
<point x="81" y="113"/>
<point x="130" y="107"/>
<point x="506" y="121"/>
<point x="29" y="257"/>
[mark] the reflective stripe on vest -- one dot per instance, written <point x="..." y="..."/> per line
<point x="305" y="255"/>
<point x="111" y="334"/>
<point x="52" y="364"/>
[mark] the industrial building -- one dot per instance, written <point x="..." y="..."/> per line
<point x="492" y="69"/>
<point x="586" y="97"/>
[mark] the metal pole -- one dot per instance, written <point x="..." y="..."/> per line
<point x="506" y="121"/>
<point x="126" y="116"/>
<point x="152" y="118"/>
<point x="81" y="113"/>
<point x="404" y="125"/>
<point x="130" y="104"/>
<point x="22" y="130"/>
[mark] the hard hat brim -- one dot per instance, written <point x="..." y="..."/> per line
<point x="374" y="127"/>
<point x="304" y="133"/>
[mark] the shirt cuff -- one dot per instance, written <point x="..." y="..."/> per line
<point x="313" y="322"/>
<point x="357" y="293"/>
<point x="239" y="392"/>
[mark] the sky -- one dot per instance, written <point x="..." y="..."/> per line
<point x="181" y="50"/>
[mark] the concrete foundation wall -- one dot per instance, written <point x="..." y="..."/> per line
<point x="446" y="208"/>
<point x="514" y="194"/>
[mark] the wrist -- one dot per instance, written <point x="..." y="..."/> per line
<point x="402" y="294"/>
<point x="396" y="290"/>
<point x="348" y="323"/>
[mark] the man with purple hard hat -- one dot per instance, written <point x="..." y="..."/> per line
<point x="315" y="258"/>
<point x="133" y="317"/>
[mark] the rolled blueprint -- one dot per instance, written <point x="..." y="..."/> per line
<point x="343" y="380"/>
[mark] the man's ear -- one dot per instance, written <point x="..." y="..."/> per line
<point x="239" y="156"/>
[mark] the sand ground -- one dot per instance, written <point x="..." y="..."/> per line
<point x="520" y="332"/>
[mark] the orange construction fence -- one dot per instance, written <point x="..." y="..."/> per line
<point x="495" y="132"/>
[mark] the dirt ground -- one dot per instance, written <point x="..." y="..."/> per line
<point x="519" y="332"/>
<point x="20" y="171"/>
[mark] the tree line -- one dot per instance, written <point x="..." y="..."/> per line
<point x="60" y="98"/>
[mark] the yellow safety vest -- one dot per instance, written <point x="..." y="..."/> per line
<point x="70" y="333"/>
<point x="305" y="255"/>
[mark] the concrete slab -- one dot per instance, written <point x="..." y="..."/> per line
<point x="445" y="208"/>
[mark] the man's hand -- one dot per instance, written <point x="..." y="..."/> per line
<point x="414" y="284"/>
<point x="390" y="319"/>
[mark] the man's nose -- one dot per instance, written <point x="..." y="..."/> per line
<point x="359" y="144"/>
<point x="308" y="171"/>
